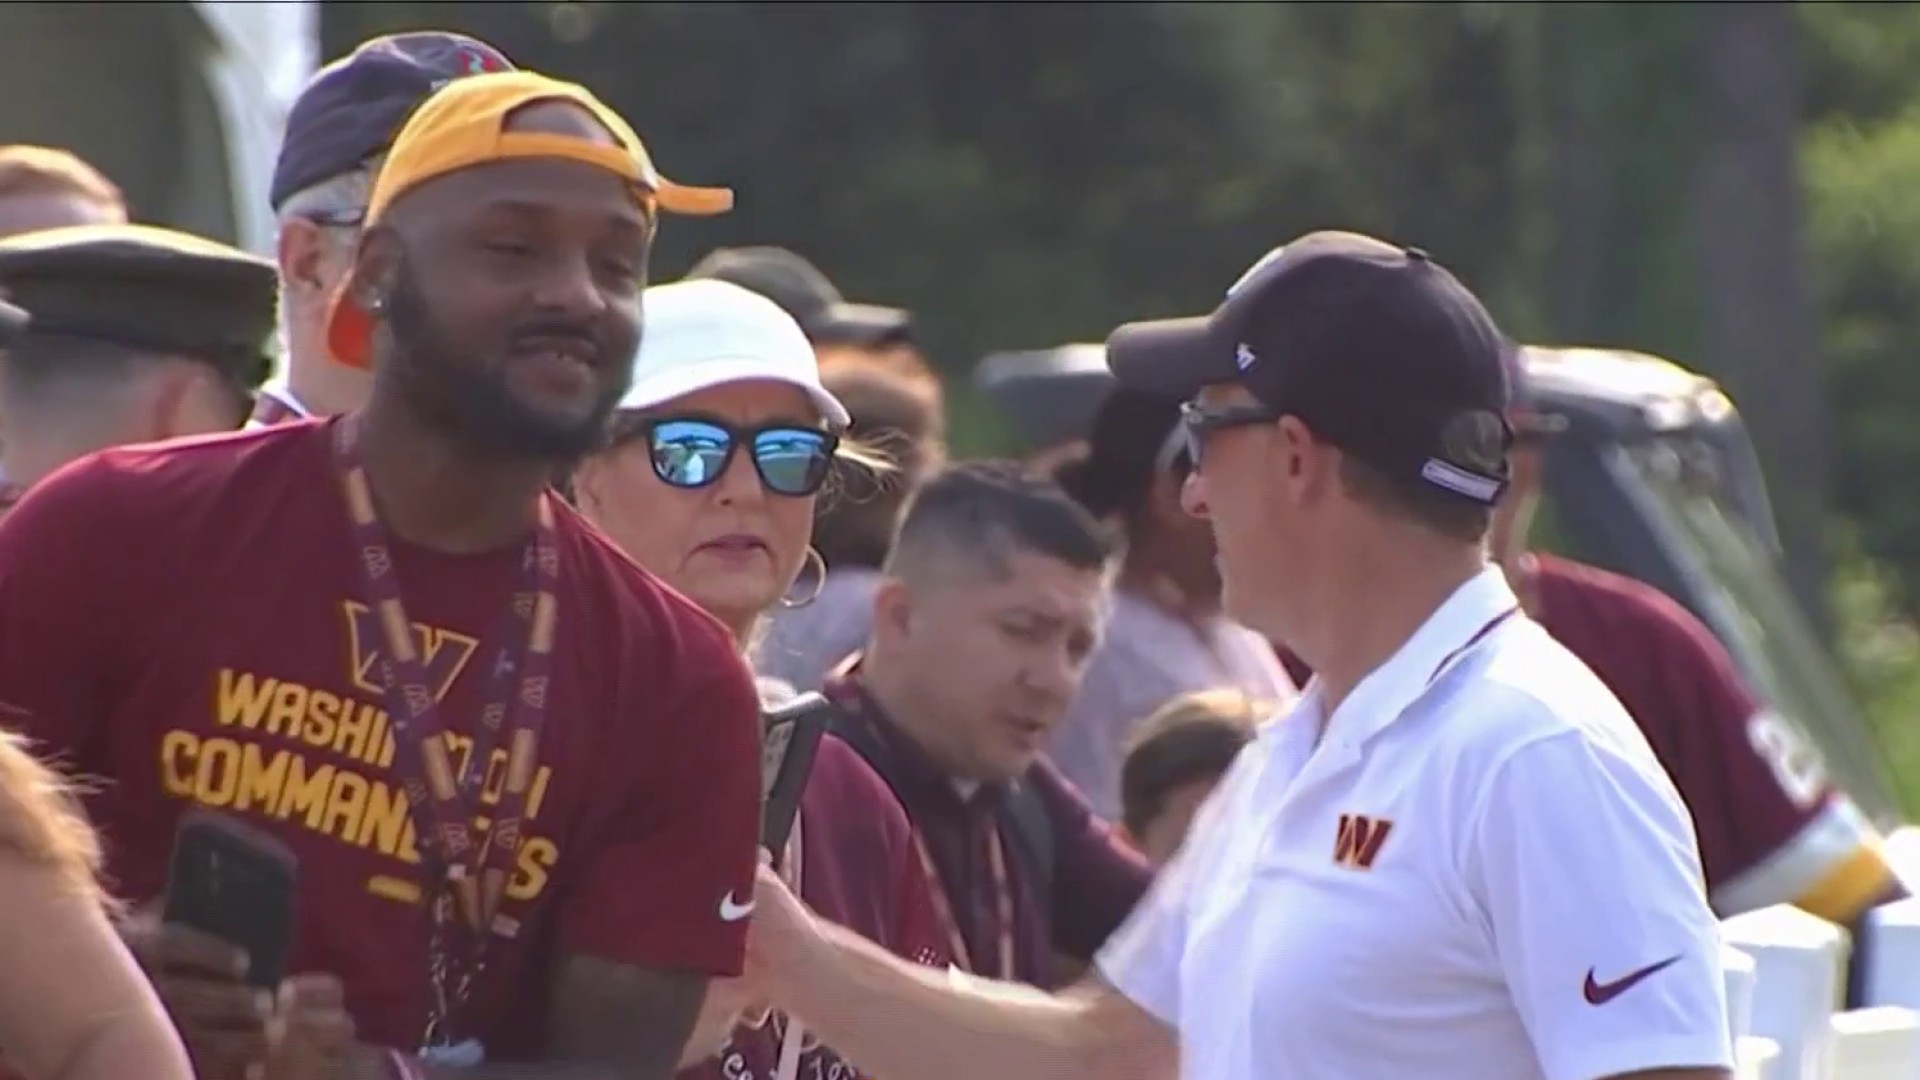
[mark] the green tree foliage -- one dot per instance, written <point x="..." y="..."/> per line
<point x="1862" y="168"/>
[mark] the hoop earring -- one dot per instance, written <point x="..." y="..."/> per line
<point x="819" y="563"/>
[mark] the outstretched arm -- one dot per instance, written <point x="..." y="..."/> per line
<point x="909" y="1022"/>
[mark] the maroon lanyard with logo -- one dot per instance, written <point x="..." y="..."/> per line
<point x="1478" y="636"/>
<point x="466" y="876"/>
<point x="1002" y="908"/>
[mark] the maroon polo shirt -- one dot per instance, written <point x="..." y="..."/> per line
<point x="1096" y="878"/>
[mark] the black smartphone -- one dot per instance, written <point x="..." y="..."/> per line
<point x="789" y="737"/>
<point x="235" y="882"/>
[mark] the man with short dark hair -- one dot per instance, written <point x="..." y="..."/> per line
<point x="337" y="131"/>
<point x="520" y="775"/>
<point x="1455" y="858"/>
<point x="139" y="334"/>
<point x="992" y="602"/>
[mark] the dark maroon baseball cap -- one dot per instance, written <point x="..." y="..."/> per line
<point x="353" y="107"/>
<point x="1373" y="346"/>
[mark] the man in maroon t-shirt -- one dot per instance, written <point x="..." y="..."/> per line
<point x="312" y="627"/>
<point x="991" y="606"/>
<point x="1772" y="829"/>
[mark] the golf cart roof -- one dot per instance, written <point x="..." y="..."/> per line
<point x="1046" y="397"/>
<point x="1622" y="392"/>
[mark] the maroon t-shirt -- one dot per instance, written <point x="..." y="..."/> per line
<point x="858" y="869"/>
<point x="1757" y="795"/>
<point x="185" y="621"/>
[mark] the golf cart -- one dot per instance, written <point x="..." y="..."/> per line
<point x="1654" y="478"/>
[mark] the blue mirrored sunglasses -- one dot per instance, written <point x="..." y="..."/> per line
<point x="695" y="452"/>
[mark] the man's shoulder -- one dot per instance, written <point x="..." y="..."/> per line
<point x="1637" y="638"/>
<point x="1529" y="688"/>
<point x="1617" y="607"/>
<point x="633" y="612"/>
<point x="845" y="790"/>
<point x="150" y="485"/>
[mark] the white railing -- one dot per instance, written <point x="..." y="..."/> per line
<point x="1785" y="979"/>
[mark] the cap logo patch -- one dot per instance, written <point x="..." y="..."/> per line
<point x="474" y="62"/>
<point x="1243" y="357"/>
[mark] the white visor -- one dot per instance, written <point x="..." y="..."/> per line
<point x="706" y="332"/>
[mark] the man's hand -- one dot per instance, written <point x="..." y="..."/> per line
<point x="311" y="1035"/>
<point x="783" y="937"/>
<point x="201" y="980"/>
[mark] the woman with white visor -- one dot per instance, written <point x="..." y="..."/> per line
<point x="718" y="454"/>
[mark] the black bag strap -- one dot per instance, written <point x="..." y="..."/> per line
<point x="1033" y="830"/>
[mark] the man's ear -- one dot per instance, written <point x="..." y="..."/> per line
<point x="376" y="268"/>
<point x="301" y="248"/>
<point x="892" y="610"/>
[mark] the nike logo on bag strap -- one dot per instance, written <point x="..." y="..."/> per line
<point x="732" y="910"/>
<point x="1599" y="993"/>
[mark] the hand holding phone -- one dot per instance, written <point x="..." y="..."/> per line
<point x="201" y="981"/>
<point x="234" y="884"/>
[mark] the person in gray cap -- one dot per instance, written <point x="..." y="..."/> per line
<point x="138" y="334"/>
<point x="814" y="302"/>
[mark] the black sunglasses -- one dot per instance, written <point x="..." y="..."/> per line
<point x="691" y="452"/>
<point x="338" y="219"/>
<point x="1200" y="421"/>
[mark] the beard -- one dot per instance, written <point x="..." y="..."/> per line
<point x="470" y="401"/>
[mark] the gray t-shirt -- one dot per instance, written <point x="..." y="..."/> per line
<point x="1148" y="657"/>
<point x="801" y="644"/>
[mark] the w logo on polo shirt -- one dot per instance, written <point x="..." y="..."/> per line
<point x="1359" y="840"/>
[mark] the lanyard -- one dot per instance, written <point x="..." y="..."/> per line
<point x="1002" y="907"/>
<point x="444" y="801"/>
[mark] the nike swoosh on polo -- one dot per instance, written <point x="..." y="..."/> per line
<point x="1599" y="993"/>
<point x="732" y="910"/>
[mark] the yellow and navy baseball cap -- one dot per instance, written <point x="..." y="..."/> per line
<point x="464" y="124"/>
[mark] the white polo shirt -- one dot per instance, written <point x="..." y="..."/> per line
<point x="1480" y="873"/>
<point x="281" y="400"/>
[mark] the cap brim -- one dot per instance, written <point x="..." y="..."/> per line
<point x="678" y="383"/>
<point x="1173" y="357"/>
<point x="692" y="201"/>
<point x="860" y="324"/>
<point x="349" y="331"/>
<point x="13" y="322"/>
